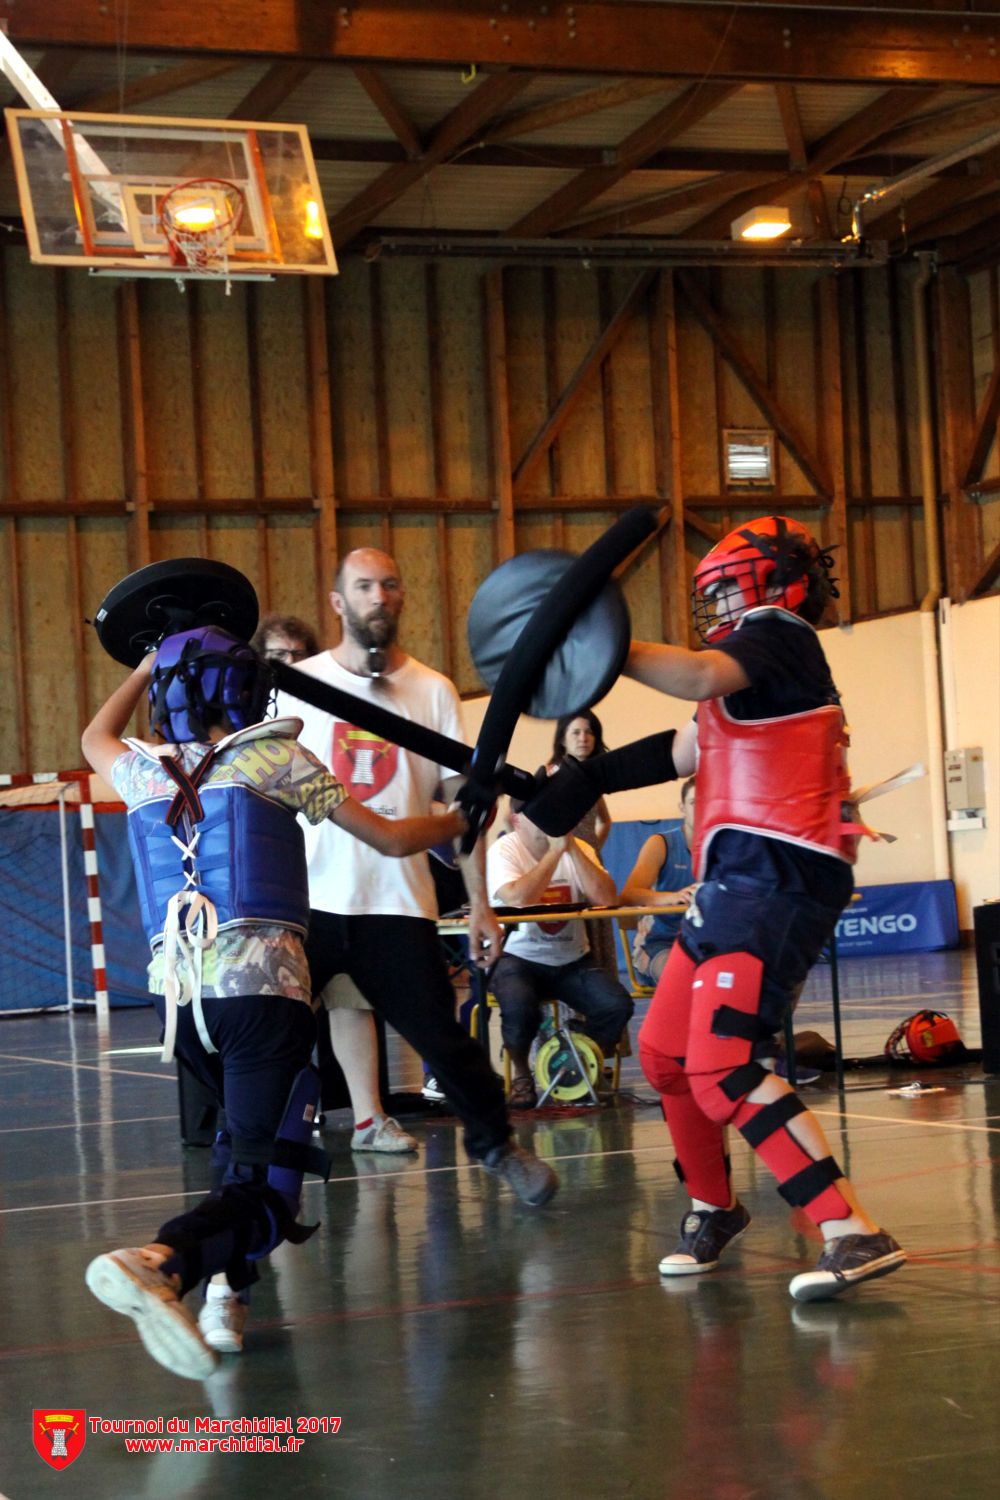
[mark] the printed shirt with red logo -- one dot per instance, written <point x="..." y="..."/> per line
<point x="538" y="942"/>
<point x="252" y="958"/>
<point x="345" y="875"/>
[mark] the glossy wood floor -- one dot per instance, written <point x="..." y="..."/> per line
<point x="473" y="1348"/>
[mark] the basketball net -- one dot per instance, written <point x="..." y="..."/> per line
<point x="200" y="219"/>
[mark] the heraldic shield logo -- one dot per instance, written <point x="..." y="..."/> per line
<point x="59" y="1436"/>
<point x="364" y="763"/>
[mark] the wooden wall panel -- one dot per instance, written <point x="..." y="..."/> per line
<point x="794" y="371"/>
<point x="415" y="549"/>
<point x="465" y="424"/>
<point x="470" y="552"/>
<point x="407" y="380"/>
<point x="103" y="548"/>
<point x="11" y="706"/>
<point x="45" y="587"/>
<point x="168" y="394"/>
<point x="282" y="385"/>
<point x="95" y="386"/>
<point x="33" y="355"/>
<point x="581" y="442"/>
<point x="353" y="382"/>
<point x="634" y="464"/>
<point x="291" y="547"/>
<point x="699" y="437"/>
<point x="232" y="445"/>
<point x="740" y="300"/>
<point x="528" y="296"/>
<point x="222" y="388"/>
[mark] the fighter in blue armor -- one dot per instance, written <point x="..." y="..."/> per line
<point x="221" y="872"/>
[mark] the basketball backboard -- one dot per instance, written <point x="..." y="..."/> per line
<point x="93" y="190"/>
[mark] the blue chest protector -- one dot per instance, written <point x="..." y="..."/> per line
<point x="248" y="858"/>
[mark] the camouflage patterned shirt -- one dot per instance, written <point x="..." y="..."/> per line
<point x="245" y="959"/>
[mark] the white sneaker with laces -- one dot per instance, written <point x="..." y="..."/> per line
<point x="128" y="1282"/>
<point x="222" y="1321"/>
<point x="383" y="1134"/>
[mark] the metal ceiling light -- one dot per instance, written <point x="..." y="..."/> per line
<point x="766" y="222"/>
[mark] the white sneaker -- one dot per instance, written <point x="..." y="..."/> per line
<point x="125" y="1281"/>
<point x="222" y="1321"/>
<point x="383" y="1134"/>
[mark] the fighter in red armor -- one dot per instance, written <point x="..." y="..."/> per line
<point x="773" y="855"/>
<point x="775" y="841"/>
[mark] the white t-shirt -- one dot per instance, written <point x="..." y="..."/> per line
<point x="507" y="860"/>
<point x="345" y="875"/>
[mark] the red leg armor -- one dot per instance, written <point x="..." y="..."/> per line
<point x="699" y="1142"/>
<point x="725" y="1026"/>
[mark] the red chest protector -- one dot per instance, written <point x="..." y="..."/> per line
<point x="784" y="778"/>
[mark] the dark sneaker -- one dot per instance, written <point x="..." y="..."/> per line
<point x="704" y="1235"/>
<point x="529" y="1178"/>
<point x="845" y="1262"/>
<point x="523" y="1094"/>
<point x="432" y="1090"/>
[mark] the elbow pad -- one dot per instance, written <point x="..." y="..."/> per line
<point x="563" y="799"/>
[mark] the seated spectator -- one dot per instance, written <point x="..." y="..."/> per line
<point x="549" y="960"/>
<point x="578" y="736"/>
<point x="284" y="638"/>
<point x="661" y="876"/>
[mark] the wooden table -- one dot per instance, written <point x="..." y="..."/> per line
<point x="454" y="926"/>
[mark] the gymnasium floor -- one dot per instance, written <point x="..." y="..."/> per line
<point x="473" y="1348"/>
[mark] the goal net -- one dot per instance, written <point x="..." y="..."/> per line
<point x="52" y="927"/>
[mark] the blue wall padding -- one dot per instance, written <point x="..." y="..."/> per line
<point x="32" y="951"/>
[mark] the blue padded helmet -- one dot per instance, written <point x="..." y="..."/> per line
<point x="205" y="677"/>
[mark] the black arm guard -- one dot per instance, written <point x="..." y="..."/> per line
<point x="563" y="800"/>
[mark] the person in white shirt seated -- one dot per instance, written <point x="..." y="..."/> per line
<point x="549" y="960"/>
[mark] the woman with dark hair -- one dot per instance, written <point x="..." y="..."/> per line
<point x="578" y="736"/>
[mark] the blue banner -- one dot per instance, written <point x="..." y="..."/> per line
<point x="913" y="916"/>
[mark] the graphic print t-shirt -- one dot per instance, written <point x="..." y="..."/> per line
<point x="248" y="958"/>
<point x="556" y="942"/>
<point x="345" y="875"/>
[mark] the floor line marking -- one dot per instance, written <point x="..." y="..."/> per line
<point x="54" y="1062"/>
<point x="420" y="1172"/>
<point x="81" y="1124"/>
<point x="414" y="1172"/>
<point x="915" y="1124"/>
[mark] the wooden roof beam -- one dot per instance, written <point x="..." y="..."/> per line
<point x="674" y="200"/>
<point x="909" y="215"/>
<point x="989" y="575"/>
<point x="791" y="121"/>
<point x="959" y="221"/>
<point x="680" y="114"/>
<point x="984" y="434"/>
<point x="375" y="86"/>
<point x="845" y="141"/>
<point x="575" y="107"/>
<point x="740" y="363"/>
<point x="271" y="90"/>
<point x="691" y="40"/>
<point x="463" y="122"/>
<point x="183" y="75"/>
<point x="919" y="133"/>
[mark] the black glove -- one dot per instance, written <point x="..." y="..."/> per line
<point x="562" y="801"/>
<point x="479" y="804"/>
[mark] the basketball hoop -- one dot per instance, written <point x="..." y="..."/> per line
<point x="199" y="219"/>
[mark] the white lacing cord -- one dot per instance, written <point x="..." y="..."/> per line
<point x="188" y="939"/>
